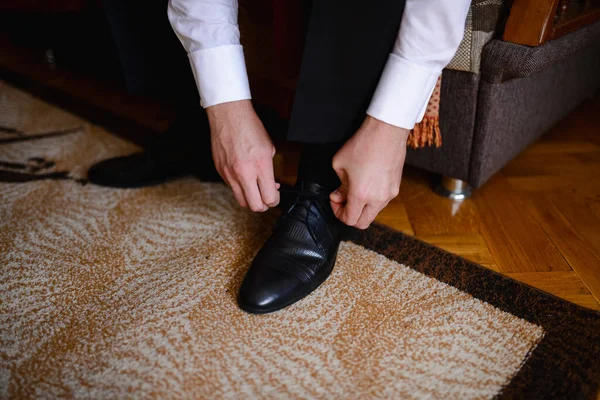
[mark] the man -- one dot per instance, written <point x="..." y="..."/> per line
<point x="367" y="73"/>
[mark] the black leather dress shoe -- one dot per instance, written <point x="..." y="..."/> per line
<point x="298" y="256"/>
<point x="170" y="156"/>
<point x="135" y="170"/>
<point x="148" y="168"/>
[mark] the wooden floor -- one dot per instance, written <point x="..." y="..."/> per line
<point x="537" y="221"/>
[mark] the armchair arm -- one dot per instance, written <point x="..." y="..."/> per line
<point x="534" y="22"/>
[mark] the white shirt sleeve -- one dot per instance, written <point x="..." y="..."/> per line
<point x="430" y="33"/>
<point x="208" y="30"/>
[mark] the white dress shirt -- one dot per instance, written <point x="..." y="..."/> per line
<point x="430" y="33"/>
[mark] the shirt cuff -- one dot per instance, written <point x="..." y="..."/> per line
<point x="220" y="74"/>
<point x="403" y="92"/>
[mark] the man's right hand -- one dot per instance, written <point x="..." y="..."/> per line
<point x="243" y="154"/>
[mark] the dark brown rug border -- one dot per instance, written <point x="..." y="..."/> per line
<point x="566" y="362"/>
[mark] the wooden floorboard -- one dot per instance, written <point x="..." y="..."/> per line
<point x="470" y="246"/>
<point x="430" y="214"/>
<point x="563" y="284"/>
<point x="395" y="216"/>
<point x="516" y="241"/>
<point x="583" y="257"/>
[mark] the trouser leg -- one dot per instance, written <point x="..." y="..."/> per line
<point x="347" y="46"/>
<point x="152" y="59"/>
<point x="154" y="63"/>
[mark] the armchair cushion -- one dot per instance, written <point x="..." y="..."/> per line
<point x="503" y="61"/>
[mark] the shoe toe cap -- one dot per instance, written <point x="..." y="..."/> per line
<point x="269" y="290"/>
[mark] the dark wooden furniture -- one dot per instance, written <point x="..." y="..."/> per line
<point x="534" y="22"/>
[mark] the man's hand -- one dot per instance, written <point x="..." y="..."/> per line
<point x="370" y="168"/>
<point x="243" y="154"/>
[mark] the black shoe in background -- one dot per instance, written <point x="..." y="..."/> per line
<point x="183" y="149"/>
<point x="298" y="256"/>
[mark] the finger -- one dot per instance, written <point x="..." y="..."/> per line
<point x="224" y="175"/>
<point x="252" y="195"/>
<point x="235" y="188"/>
<point x="238" y="193"/>
<point x="367" y="217"/>
<point x="352" y="210"/>
<point x="339" y="195"/>
<point x="375" y="209"/>
<point x="266" y="184"/>
<point x="268" y="191"/>
<point x="277" y="185"/>
<point x="337" y="209"/>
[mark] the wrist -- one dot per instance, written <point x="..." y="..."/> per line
<point x="380" y="127"/>
<point x="229" y="118"/>
<point x="228" y="110"/>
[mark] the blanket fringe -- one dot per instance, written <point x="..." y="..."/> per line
<point x="426" y="133"/>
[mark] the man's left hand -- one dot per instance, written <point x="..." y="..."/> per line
<point x="370" y="168"/>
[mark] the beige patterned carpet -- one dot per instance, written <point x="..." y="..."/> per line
<point x="112" y="293"/>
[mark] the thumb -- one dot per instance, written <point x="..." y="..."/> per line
<point x="339" y="195"/>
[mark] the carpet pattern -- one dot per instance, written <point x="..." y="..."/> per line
<point x="112" y="293"/>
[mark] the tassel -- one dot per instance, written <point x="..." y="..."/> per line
<point x="426" y="133"/>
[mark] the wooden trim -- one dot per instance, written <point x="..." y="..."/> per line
<point x="534" y="22"/>
<point x="530" y="22"/>
<point x="571" y="25"/>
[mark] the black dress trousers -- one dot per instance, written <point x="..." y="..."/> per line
<point x="347" y="45"/>
<point x="346" y="48"/>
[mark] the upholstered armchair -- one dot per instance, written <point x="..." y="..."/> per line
<point x="536" y="68"/>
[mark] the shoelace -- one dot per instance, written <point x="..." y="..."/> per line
<point x="300" y="193"/>
<point x="315" y="198"/>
